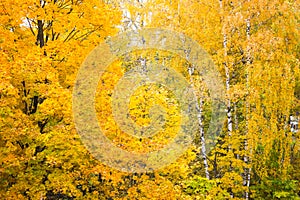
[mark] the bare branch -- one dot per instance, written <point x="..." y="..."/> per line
<point x="30" y="26"/>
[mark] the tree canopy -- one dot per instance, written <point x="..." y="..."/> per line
<point x="255" y="45"/>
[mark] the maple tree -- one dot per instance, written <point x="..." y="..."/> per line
<point x="42" y="46"/>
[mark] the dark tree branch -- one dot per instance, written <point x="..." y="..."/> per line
<point x="40" y="36"/>
<point x="66" y="39"/>
<point x="30" y="26"/>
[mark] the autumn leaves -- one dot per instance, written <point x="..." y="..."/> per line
<point x="42" y="156"/>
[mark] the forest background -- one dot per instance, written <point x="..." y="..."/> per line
<point x="254" y="44"/>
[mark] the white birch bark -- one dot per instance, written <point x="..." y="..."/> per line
<point x="133" y="24"/>
<point x="247" y="171"/>
<point x="294" y="120"/>
<point x="227" y="81"/>
<point x="199" y="108"/>
<point x="128" y="22"/>
<point x="227" y="74"/>
<point x="236" y="123"/>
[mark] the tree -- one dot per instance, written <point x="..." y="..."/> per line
<point x="43" y="44"/>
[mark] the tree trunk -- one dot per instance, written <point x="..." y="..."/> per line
<point x="40" y="35"/>
<point x="199" y="108"/>
<point x="247" y="177"/>
<point x="227" y="75"/>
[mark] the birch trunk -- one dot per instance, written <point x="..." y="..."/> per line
<point x="199" y="108"/>
<point x="247" y="177"/>
<point x="236" y="123"/>
<point x="227" y="75"/>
